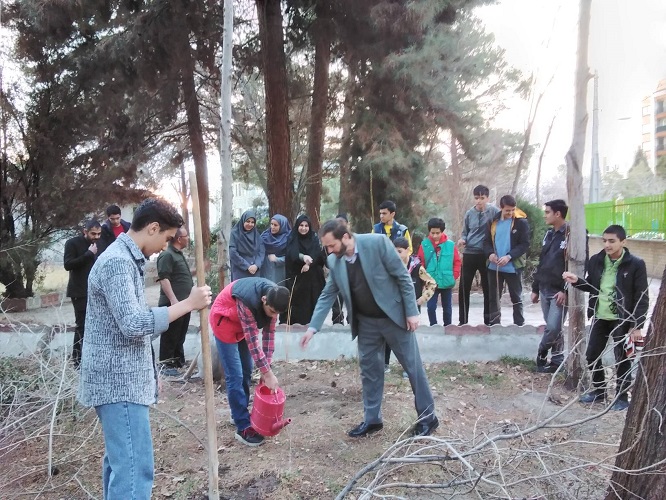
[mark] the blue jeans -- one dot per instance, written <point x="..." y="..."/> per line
<point x="237" y="363"/>
<point x="127" y="470"/>
<point x="554" y="316"/>
<point x="446" y="294"/>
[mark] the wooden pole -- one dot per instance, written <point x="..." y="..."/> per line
<point x="211" y="424"/>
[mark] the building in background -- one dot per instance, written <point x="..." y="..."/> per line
<point x="247" y="196"/>
<point x="654" y="124"/>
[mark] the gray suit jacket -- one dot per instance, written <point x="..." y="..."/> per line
<point x="387" y="277"/>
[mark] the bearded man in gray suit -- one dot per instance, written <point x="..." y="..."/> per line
<point x="367" y="271"/>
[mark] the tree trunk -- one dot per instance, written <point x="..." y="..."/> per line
<point x="279" y="173"/>
<point x="454" y="188"/>
<point x="184" y="194"/>
<point x="344" y="159"/>
<point x="322" y="35"/>
<point x="543" y="152"/>
<point x="577" y="237"/>
<point x="526" y="145"/>
<point x="225" y="145"/>
<point x="643" y="443"/>
<point x="196" y="137"/>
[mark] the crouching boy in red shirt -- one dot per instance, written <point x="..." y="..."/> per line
<point x="239" y="311"/>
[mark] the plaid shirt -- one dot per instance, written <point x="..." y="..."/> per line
<point x="262" y="355"/>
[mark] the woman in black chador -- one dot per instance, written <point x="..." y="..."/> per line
<point x="305" y="260"/>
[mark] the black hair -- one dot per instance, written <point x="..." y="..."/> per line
<point x="343" y="216"/>
<point x="481" y="190"/>
<point x="337" y="227"/>
<point x="436" y="222"/>
<point x="507" y="201"/>
<point x="389" y="205"/>
<point x="113" y="210"/>
<point x="401" y="242"/>
<point x="617" y="230"/>
<point x="278" y="298"/>
<point x="156" y="210"/>
<point x="558" y="206"/>
<point x="91" y="224"/>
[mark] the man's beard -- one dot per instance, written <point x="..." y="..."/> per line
<point x="343" y="250"/>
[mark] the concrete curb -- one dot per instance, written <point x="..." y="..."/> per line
<point x="437" y="344"/>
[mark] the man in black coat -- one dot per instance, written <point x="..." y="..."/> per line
<point x="618" y="288"/>
<point x="80" y="254"/>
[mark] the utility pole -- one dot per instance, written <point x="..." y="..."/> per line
<point x="595" y="173"/>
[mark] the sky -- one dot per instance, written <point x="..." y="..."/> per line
<point x="627" y="48"/>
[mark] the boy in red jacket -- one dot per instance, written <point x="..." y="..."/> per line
<point x="239" y="311"/>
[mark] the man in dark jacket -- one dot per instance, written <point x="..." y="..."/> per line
<point x="548" y="286"/>
<point x="506" y="243"/>
<point x="80" y="254"/>
<point x="175" y="278"/>
<point x="113" y="227"/>
<point x="618" y="288"/>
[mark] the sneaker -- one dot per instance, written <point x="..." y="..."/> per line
<point x="171" y="372"/>
<point x="549" y="368"/>
<point x="620" y="404"/>
<point x="249" y="437"/>
<point x="404" y="375"/>
<point x="541" y="363"/>
<point x="597" y="395"/>
<point x="387" y="369"/>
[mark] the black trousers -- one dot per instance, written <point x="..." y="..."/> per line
<point x="471" y="263"/>
<point x="514" y="283"/>
<point x="79" y="304"/>
<point x="599" y="333"/>
<point x="171" y="342"/>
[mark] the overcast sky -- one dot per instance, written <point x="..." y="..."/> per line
<point x="627" y="48"/>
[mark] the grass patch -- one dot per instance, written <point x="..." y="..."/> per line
<point x="461" y="373"/>
<point x="528" y="363"/>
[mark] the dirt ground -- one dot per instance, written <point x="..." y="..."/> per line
<point x="312" y="457"/>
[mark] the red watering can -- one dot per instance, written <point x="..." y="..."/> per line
<point x="268" y="410"/>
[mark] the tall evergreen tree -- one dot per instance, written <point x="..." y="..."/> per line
<point x="137" y="64"/>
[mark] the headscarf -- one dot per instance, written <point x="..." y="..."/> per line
<point x="277" y="243"/>
<point x="247" y="242"/>
<point x="307" y="244"/>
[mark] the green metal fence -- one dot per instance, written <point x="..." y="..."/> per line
<point x="642" y="217"/>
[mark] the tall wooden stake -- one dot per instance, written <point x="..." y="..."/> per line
<point x="577" y="239"/>
<point x="213" y="464"/>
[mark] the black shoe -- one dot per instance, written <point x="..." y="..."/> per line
<point x="541" y="362"/>
<point x="620" y="404"/>
<point x="250" y="437"/>
<point x="171" y="372"/>
<point x="425" y="428"/>
<point x="593" y="397"/>
<point x="549" y="368"/>
<point x="364" y="429"/>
